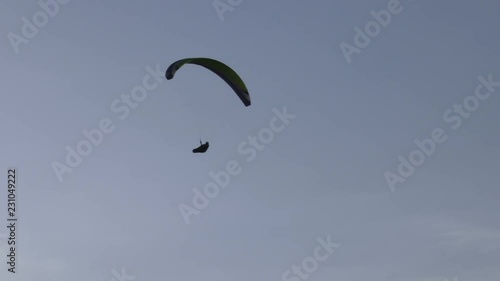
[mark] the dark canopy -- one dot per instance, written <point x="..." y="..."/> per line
<point x="219" y="68"/>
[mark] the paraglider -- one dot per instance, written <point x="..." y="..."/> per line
<point x="224" y="72"/>
<point x="202" y="148"/>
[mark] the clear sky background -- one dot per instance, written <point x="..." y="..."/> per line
<point x="323" y="175"/>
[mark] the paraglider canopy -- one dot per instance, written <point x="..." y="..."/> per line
<point x="219" y="68"/>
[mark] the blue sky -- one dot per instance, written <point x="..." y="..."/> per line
<point x="321" y="176"/>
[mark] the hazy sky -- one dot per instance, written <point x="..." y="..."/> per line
<point x="321" y="176"/>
